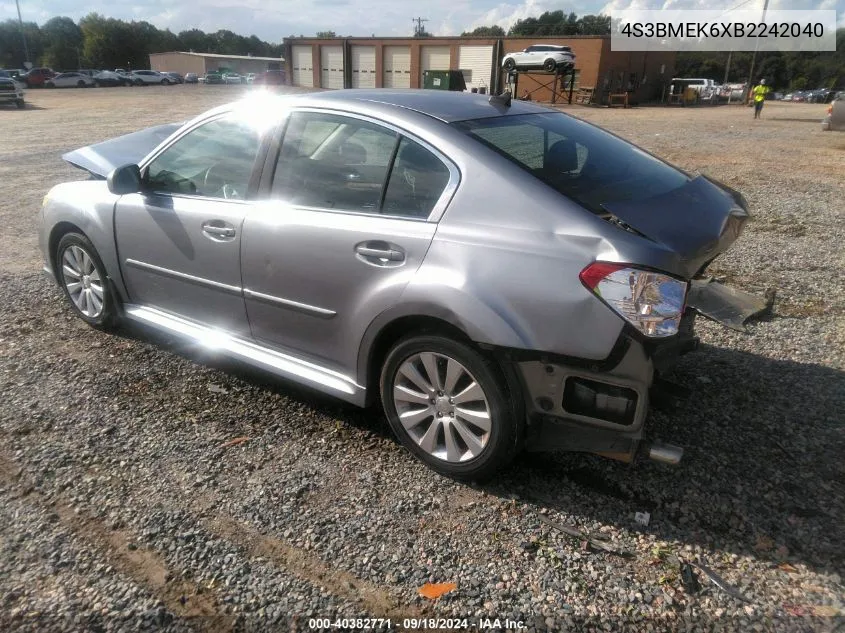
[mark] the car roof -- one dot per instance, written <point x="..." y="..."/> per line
<point x="447" y="106"/>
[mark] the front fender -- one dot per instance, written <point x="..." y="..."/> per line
<point x="89" y="206"/>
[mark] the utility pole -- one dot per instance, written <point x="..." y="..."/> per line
<point x="23" y="35"/>
<point x="418" y="29"/>
<point x="754" y="55"/>
<point x="727" y="67"/>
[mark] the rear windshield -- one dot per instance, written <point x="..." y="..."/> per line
<point x="581" y="161"/>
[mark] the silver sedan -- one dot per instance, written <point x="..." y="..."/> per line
<point x="495" y="275"/>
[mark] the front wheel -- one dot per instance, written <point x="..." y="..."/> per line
<point x="80" y="84"/>
<point x="165" y="82"/>
<point x="83" y="278"/>
<point x="549" y="65"/>
<point x="20" y="103"/>
<point x="449" y="406"/>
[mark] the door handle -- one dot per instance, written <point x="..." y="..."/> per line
<point x="379" y="251"/>
<point x="218" y="231"/>
<point x="389" y="254"/>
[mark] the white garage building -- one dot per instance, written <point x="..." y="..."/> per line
<point x="388" y="62"/>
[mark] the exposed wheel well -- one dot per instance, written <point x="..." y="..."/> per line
<point x="59" y="231"/>
<point x="394" y="331"/>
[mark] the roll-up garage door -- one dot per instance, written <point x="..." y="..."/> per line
<point x="303" y="70"/>
<point x="331" y="67"/>
<point x="434" y="58"/>
<point x="397" y="67"/>
<point x="363" y="66"/>
<point x="477" y="64"/>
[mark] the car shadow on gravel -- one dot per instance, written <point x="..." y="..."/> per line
<point x="762" y="472"/>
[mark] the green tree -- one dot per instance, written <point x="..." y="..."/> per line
<point x="594" y="25"/>
<point x="326" y="35"/>
<point x="486" y="31"/>
<point x="63" y="43"/>
<point x="11" y="44"/>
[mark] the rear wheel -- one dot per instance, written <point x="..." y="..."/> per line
<point x="20" y="104"/>
<point x="80" y="84"/>
<point x="549" y="65"/>
<point x="83" y="278"/>
<point x="510" y="64"/>
<point x="449" y="406"/>
<point x="165" y="82"/>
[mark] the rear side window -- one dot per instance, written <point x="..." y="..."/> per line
<point x="581" y="161"/>
<point x="342" y="163"/>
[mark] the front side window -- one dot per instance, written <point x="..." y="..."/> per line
<point x="579" y="160"/>
<point x="214" y="160"/>
<point x="329" y="161"/>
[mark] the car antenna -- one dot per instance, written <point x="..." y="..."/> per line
<point x="502" y="99"/>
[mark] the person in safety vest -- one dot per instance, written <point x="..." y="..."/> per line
<point x="758" y="93"/>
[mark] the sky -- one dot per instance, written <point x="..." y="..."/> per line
<point x="273" y="20"/>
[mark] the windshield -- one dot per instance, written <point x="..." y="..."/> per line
<point x="581" y="161"/>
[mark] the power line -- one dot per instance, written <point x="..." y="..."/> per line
<point x="736" y="7"/>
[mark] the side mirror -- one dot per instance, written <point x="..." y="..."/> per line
<point x="125" y="179"/>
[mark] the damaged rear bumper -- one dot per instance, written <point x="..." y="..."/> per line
<point x="601" y="406"/>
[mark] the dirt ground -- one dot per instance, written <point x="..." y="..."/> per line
<point x="147" y="486"/>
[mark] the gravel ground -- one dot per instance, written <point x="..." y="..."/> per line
<point x="125" y="505"/>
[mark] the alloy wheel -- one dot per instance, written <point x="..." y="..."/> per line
<point x="83" y="281"/>
<point x="442" y="407"/>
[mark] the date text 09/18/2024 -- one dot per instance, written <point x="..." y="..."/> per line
<point x="414" y="624"/>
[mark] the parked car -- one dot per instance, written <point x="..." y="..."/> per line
<point x="109" y="78"/>
<point x="175" y="78"/>
<point x="11" y="92"/>
<point x="191" y="78"/>
<point x="213" y="78"/>
<point x="148" y="77"/>
<point x="540" y="56"/>
<point x="250" y="78"/>
<point x="14" y="76"/>
<point x="36" y="77"/>
<point x="232" y="78"/>
<point x="835" y="119"/>
<point x="399" y="274"/>
<point x="70" y="80"/>
<point x="270" y="78"/>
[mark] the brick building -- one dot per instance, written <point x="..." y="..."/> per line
<point x="357" y="62"/>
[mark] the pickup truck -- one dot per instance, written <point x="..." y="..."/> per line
<point x="11" y="92"/>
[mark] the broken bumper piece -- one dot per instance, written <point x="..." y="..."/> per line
<point x="726" y="305"/>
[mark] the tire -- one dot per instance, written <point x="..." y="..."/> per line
<point x="80" y="84"/>
<point x="549" y="65"/>
<point x="509" y="64"/>
<point x="20" y="103"/>
<point x="458" y="445"/>
<point x="165" y="82"/>
<point x="50" y="84"/>
<point x="93" y="300"/>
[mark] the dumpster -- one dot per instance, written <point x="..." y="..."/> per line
<point x="444" y="80"/>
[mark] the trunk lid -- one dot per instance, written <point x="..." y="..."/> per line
<point x="698" y="221"/>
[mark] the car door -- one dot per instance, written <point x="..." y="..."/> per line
<point x="351" y="213"/>
<point x="179" y="239"/>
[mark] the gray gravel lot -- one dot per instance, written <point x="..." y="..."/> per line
<point x="125" y="505"/>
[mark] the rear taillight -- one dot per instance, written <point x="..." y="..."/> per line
<point x="830" y="109"/>
<point x="651" y="302"/>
